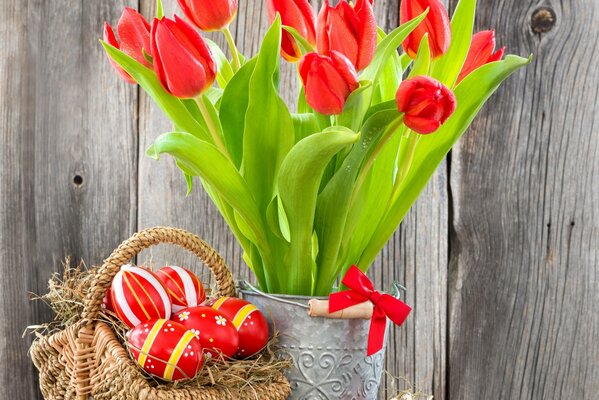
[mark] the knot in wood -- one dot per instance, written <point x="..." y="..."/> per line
<point x="543" y="19"/>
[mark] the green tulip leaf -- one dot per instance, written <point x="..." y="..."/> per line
<point x="159" y="9"/>
<point x="197" y="157"/>
<point x="277" y="219"/>
<point x="356" y="106"/>
<point x="305" y="125"/>
<point x="304" y="46"/>
<point x="298" y="184"/>
<point x="447" y="68"/>
<point x="269" y="132"/>
<point x="234" y="104"/>
<point x="335" y="199"/>
<point x="224" y="68"/>
<point x="471" y="95"/>
<point x="389" y="78"/>
<point x="172" y="106"/>
<point x="423" y="59"/>
<point x="388" y="46"/>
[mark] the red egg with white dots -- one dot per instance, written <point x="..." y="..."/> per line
<point x="250" y="323"/>
<point x="166" y="349"/>
<point x="216" y="333"/>
<point x="184" y="287"/>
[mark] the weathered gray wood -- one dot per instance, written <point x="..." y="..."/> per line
<point x="64" y="114"/>
<point x="525" y="254"/>
<point x="524" y="244"/>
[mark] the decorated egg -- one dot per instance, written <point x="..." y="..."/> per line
<point x="107" y="301"/>
<point x="183" y="286"/>
<point x="166" y="349"/>
<point x="250" y="323"/>
<point x="139" y="296"/>
<point x="215" y="331"/>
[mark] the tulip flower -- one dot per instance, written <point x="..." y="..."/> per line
<point x="182" y="60"/>
<point x="348" y="30"/>
<point x="209" y="15"/>
<point x="134" y="35"/>
<point x="436" y="24"/>
<point x="481" y="52"/>
<point x="299" y="15"/>
<point x="425" y="102"/>
<point x="328" y="81"/>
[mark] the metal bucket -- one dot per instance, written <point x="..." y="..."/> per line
<point x="329" y="355"/>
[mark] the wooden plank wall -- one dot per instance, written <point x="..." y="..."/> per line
<point x="500" y="254"/>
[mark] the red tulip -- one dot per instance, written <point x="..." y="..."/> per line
<point x="481" y="53"/>
<point x="209" y="15"/>
<point x="425" y="102"/>
<point x="134" y="35"/>
<point x="182" y="60"/>
<point x="328" y="81"/>
<point x="436" y="24"/>
<point x="299" y="15"/>
<point x="348" y="30"/>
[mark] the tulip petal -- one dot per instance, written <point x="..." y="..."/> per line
<point x="367" y="34"/>
<point x="185" y="74"/>
<point x="110" y="38"/>
<point x="341" y="31"/>
<point x="134" y="33"/>
<point x="424" y="126"/>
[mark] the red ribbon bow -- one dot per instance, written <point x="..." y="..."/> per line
<point x="361" y="290"/>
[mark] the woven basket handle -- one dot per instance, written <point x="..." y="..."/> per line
<point x="143" y="240"/>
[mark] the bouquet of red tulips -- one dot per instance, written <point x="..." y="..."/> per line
<point x="308" y="193"/>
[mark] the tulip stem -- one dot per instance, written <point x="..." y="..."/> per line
<point x="233" y="47"/>
<point x="407" y="147"/>
<point x="214" y="131"/>
<point x="389" y="132"/>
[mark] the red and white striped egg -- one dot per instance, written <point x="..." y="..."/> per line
<point x="250" y="323"/>
<point x="139" y="296"/>
<point x="215" y="331"/>
<point x="166" y="349"/>
<point x="183" y="286"/>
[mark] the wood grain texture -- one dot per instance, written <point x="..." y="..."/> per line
<point x="518" y="228"/>
<point x="525" y="250"/>
<point x="63" y="115"/>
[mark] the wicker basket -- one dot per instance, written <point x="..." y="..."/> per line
<point x="87" y="360"/>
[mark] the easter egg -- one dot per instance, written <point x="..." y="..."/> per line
<point x="215" y="331"/>
<point x="139" y="296"/>
<point x="107" y="301"/>
<point x="183" y="286"/>
<point x="250" y="323"/>
<point x="166" y="349"/>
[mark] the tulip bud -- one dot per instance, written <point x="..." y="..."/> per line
<point x="299" y="15"/>
<point x="209" y="15"/>
<point x="425" y="102"/>
<point x="328" y="81"/>
<point x="436" y="24"/>
<point x="481" y="52"/>
<point x="134" y="35"/>
<point x="348" y="30"/>
<point x="182" y="60"/>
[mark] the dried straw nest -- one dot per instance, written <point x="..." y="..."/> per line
<point x="66" y="293"/>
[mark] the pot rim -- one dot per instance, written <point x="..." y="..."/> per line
<point x="246" y="288"/>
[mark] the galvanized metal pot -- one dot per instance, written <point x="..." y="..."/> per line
<point x="329" y="355"/>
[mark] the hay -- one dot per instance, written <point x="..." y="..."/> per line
<point x="66" y="293"/>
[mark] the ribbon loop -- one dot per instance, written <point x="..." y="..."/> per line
<point x="360" y="290"/>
